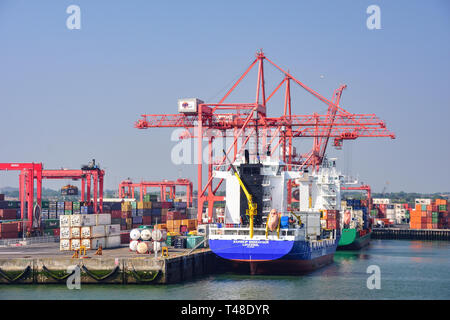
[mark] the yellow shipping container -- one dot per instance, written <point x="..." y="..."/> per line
<point x="126" y="206"/>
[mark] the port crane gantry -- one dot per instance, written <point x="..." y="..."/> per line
<point x="243" y="121"/>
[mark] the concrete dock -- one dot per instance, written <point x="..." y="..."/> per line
<point x="44" y="263"/>
<point x="410" y="234"/>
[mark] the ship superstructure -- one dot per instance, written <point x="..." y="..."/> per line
<point x="298" y="243"/>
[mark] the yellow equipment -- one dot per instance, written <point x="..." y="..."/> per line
<point x="99" y="251"/>
<point x="80" y="253"/>
<point x="251" y="211"/>
<point x="165" y="252"/>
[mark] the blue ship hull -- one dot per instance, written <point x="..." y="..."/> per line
<point x="273" y="256"/>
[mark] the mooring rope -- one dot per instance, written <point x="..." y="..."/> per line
<point x="93" y="276"/>
<point x="17" y="278"/>
<point x="137" y="277"/>
<point x="55" y="277"/>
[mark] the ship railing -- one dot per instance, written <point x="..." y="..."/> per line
<point x="246" y="231"/>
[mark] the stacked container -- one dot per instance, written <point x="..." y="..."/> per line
<point x="89" y="230"/>
<point x="433" y="215"/>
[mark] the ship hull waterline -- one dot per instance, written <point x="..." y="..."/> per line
<point x="274" y="257"/>
<point x="350" y="240"/>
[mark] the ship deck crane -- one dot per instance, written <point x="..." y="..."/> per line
<point x="252" y="206"/>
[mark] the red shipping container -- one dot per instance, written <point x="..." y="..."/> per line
<point x="123" y="227"/>
<point x="116" y="214"/>
<point x="173" y="215"/>
<point x="166" y="205"/>
<point x="125" y="214"/>
<point x="9" y="227"/>
<point x="9" y="235"/>
<point x="163" y="219"/>
<point x="56" y="232"/>
<point x="124" y="237"/>
<point x="146" y="220"/>
<point x="135" y="226"/>
<point x="331" y="224"/>
<point x="8" y="214"/>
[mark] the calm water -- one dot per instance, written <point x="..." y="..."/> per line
<point x="409" y="270"/>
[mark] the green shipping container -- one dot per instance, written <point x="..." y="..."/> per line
<point x="442" y="207"/>
<point x="45" y="204"/>
<point x="76" y="205"/>
<point x="67" y="212"/>
<point x="192" y="241"/>
<point x="169" y="241"/>
<point x="13" y="204"/>
<point x="424" y="207"/>
<point x="50" y="224"/>
<point x="133" y="205"/>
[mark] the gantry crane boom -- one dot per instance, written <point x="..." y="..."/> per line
<point x="246" y="121"/>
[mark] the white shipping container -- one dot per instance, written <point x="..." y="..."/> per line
<point x="113" y="230"/>
<point x="75" y="232"/>
<point x="82" y="220"/>
<point x="93" y="232"/>
<point x="423" y="201"/>
<point x="64" y="221"/>
<point x="103" y="219"/>
<point x="64" y="245"/>
<point x="64" y="233"/>
<point x="112" y="242"/>
<point x="75" y="244"/>
<point x="94" y="243"/>
<point x="381" y="201"/>
<point x="189" y="105"/>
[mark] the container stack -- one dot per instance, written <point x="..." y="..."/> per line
<point x="330" y="219"/>
<point x="358" y="210"/>
<point x="9" y="226"/>
<point x="126" y="214"/>
<point x="429" y="214"/>
<point x="89" y="230"/>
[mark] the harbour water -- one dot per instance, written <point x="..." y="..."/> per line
<point x="408" y="269"/>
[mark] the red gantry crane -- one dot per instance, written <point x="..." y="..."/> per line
<point x="34" y="171"/>
<point x="126" y="188"/>
<point x="245" y="121"/>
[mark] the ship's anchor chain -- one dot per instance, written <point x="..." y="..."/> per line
<point x="52" y="275"/>
<point x="93" y="276"/>
<point x="22" y="275"/>
<point x="140" y="279"/>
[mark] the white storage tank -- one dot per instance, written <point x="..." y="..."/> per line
<point x="133" y="245"/>
<point x="146" y="234"/>
<point x="135" y="234"/>
<point x="159" y="235"/>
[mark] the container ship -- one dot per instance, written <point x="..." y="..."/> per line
<point x="261" y="234"/>
<point x="356" y="227"/>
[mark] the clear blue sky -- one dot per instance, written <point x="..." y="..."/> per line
<point x="71" y="95"/>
